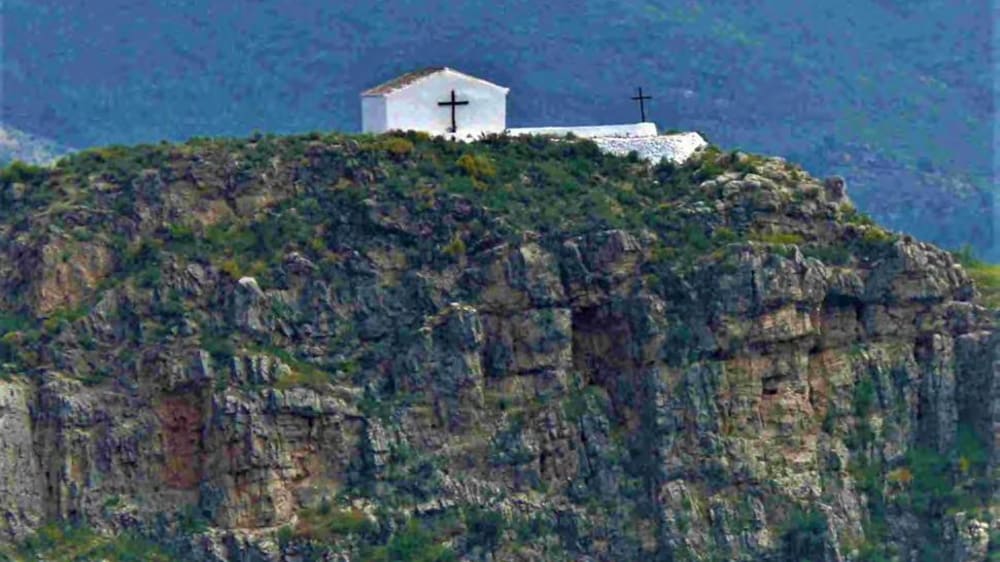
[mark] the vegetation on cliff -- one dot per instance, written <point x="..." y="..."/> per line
<point x="986" y="275"/>
<point x="74" y="542"/>
<point x="401" y="348"/>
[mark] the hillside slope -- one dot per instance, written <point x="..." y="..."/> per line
<point x="396" y="348"/>
<point x="911" y="79"/>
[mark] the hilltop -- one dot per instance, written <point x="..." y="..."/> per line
<point x="397" y="347"/>
<point x="910" y="80"/>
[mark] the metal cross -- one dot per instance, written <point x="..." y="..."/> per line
<point x="453" y="103"/>
<point x="642" y="106"/>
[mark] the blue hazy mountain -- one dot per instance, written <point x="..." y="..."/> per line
<point x="18" y="145"/>
<point x="904" y="85"/>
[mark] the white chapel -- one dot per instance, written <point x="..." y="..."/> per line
<point x="437" y="100"/>
<point x="443" y="101"/>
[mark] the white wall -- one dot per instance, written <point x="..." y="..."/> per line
<point x="373" y="114"/>
<point x="416" y="106"/>
<point x="628" y="130"/>
<point x="676" y="148"/>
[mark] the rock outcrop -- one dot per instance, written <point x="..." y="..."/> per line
<point x="743" y="372"/>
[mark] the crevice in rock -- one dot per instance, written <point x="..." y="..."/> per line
<point x="602" y="343"/>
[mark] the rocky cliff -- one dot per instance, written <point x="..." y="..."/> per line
<point x="951" y="209"/>
<point x="328" y="347"/>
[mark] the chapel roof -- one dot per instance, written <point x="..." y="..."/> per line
<point x="409" y="78"/>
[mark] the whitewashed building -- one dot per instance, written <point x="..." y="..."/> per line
<point x="437" y="100"/>
<point x="443" y="101"/>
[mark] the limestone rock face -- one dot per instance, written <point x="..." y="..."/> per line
<point x="751" y="373"/>
<point x="20" y="482"/>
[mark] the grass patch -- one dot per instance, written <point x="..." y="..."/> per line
<point x="19" y="172"/>
<point x="987" y="279"/>
<point x="326" y="523"/>
<point x="413" y="542"/>
<point x="302" y="373"/>
<point x="10" y="322"/>
<point x="785" y="238"/>
<point x="579" y="402"/>
<point x="851" y="215"/>
<point x="219" y="346"/>
<point x="828" y="254"/>
<point x="69" y="542"/>
<point x="804" y="536"/>
<point x="985" y="275"/>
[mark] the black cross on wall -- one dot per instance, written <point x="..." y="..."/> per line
<point x="453" y="103"/>
<point x="642" y="106"/>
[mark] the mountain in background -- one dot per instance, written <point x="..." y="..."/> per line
<point x="18" y="145"/>
<point x="905" y="88"/>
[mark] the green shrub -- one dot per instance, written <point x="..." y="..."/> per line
<point x="11" y="322"/>
<point x="20" y="172"/>
<point x="485" y="527"/>
<point x="285" y="536"/>
<point x="414" y="543"/>
<point x="191" y="520"/>
<point x="220" y="347"/>
<point x="399" y="147"/>
<point x="724" y="235"/>
<point x="350" y="522"/>
<point x="849" y="214"/>
<point x="864" y="398"/>
<point x="309" y="378"/>
<point x="805" y="536"/>
<point x="692" y="241"/>
<point x="862" y="403"/>
<point x="871" y="551"/>
<point x="461" y="184"/>
<point x="555" y="175"/>
<point x="477" y="166"/>
<point x="578" y="402"/>
<point x="985" y="275"/>
<point x="931" y="488"/>
<point x="786" y="238"/>
<point x="456" y="247"/>
<point x="181" y="234"/>
<point x="148" y="277"/>
<point x="828" y="254"/>
<point x="877" y="236"/>
<point x="143" y="262"/>
<point x="302" y="373"/>
<point x="972" y="450"/>
<point x="708" y="170"/>
<point x="63" y="317"/>
<point x="74" y="542"/>
<point x="326" y="524"/>
<point x="874" y="241"/>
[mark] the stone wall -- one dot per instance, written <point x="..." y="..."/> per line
<point x="622" y="139"/>
<point x="626" y="130"/>
<point x="676" y="148"/>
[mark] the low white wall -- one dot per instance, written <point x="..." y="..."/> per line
<point x="675" y="148"/>
<point x="628" y="130"/>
